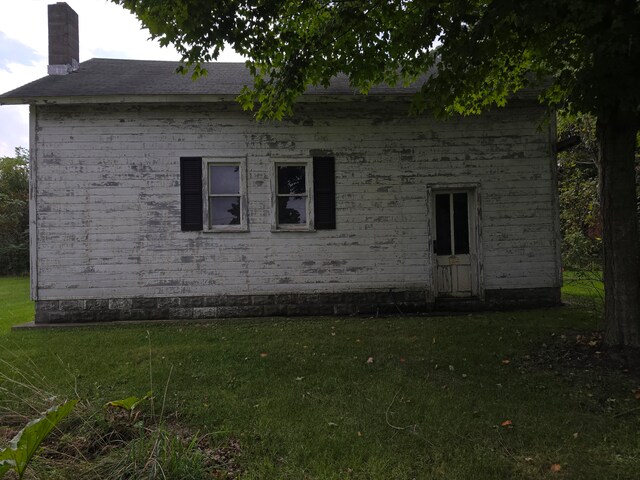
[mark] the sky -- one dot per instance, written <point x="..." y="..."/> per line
<point x="106" y="31"/>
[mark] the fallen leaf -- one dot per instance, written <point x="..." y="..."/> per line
<point x="402" y="360"/>
<point x="555" y="468"/>
<point x="506" y="361"/>
<point x="575" y="435"/>
<point x="370" y="360"/>
<point x="263" y="354"/>
<point x="507" y="423"/>
<point x="359" y="434"/>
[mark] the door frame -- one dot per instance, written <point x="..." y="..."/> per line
<point x="475" y="232"/>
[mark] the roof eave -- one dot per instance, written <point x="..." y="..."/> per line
<point x="186" y="98"/>
<point x="102" y="99"/>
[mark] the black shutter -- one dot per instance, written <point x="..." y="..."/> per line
<point x="324" y="193"/>
<point x="191" y="193"/>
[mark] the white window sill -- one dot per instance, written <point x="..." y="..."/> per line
<point x="292" y="229"/>
<point x="225" y="230"/>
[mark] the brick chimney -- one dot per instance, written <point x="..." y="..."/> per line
<point x="63" y="39"/>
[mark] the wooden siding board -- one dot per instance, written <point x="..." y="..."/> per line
<point x="108" y="199"/>
<point x="33" y="201"/>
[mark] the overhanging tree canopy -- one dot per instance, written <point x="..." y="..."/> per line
<point x="582" y="54"/>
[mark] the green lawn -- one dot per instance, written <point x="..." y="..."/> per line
<point x="15" y="306"/>
<point x="303" y="401"/>
<point x="584" y="285"/>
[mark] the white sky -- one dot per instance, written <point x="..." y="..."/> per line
<point x="106" y="31"/>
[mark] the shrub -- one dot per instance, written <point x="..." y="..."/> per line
<point x="14" y="214"/>
<point x="580" y="222"/>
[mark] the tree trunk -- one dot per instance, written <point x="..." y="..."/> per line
<point x="621" y="243"/>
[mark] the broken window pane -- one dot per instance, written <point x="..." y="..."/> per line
<point x="292" y="210"/>
<point x="224" y="210"/>
<point x="291" y="179"/>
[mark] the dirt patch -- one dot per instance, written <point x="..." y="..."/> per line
<point x="602" y="381"/>
<point x="6" y="434"/>
<point x="223" y="459"/>
<point x="584" y="351"/>
<point x="87" y="446"/>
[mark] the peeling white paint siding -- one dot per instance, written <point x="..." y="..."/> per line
<point x="33" y="201"/>
<point x="108" y="199"/>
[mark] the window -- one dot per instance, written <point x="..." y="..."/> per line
<point x="226" y="199"/>
<point x="292" y="192"/>
<point x="213" y="194"/>
<point x="304" y="195"/>
<point x="224" y="194"/>
<point x="221" y="182"/>
<point x="452" y="224"/>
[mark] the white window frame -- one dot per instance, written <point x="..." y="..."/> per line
<point x="241" y="162"/>
<point x="307" y="163"/>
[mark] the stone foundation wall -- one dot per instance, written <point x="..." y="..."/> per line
<point x="522" y="297"/>
<point x="231" y="306"/>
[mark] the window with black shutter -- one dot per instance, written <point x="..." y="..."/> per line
<point x="226" y="193"/>
<point x="324" y="193"/>
<point x="191" y="193"/>
<point x="292" y="194"/>
<point x="304" y="194"/>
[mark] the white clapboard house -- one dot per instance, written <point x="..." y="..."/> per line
<point x="155" y="196"/>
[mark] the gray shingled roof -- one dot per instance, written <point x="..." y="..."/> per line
<point x="102" y="77"/>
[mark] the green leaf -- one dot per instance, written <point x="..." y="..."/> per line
<point x="129" y="403"/>
<point x="24" y="445"/>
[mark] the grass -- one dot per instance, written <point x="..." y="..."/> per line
<point x="15" y="306"/>
<point x="583" y="284"/>
<point x="303" y="399"/>
<point x="585" y="289"/>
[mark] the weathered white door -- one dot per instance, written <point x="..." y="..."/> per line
<point x="454" y="221"/>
